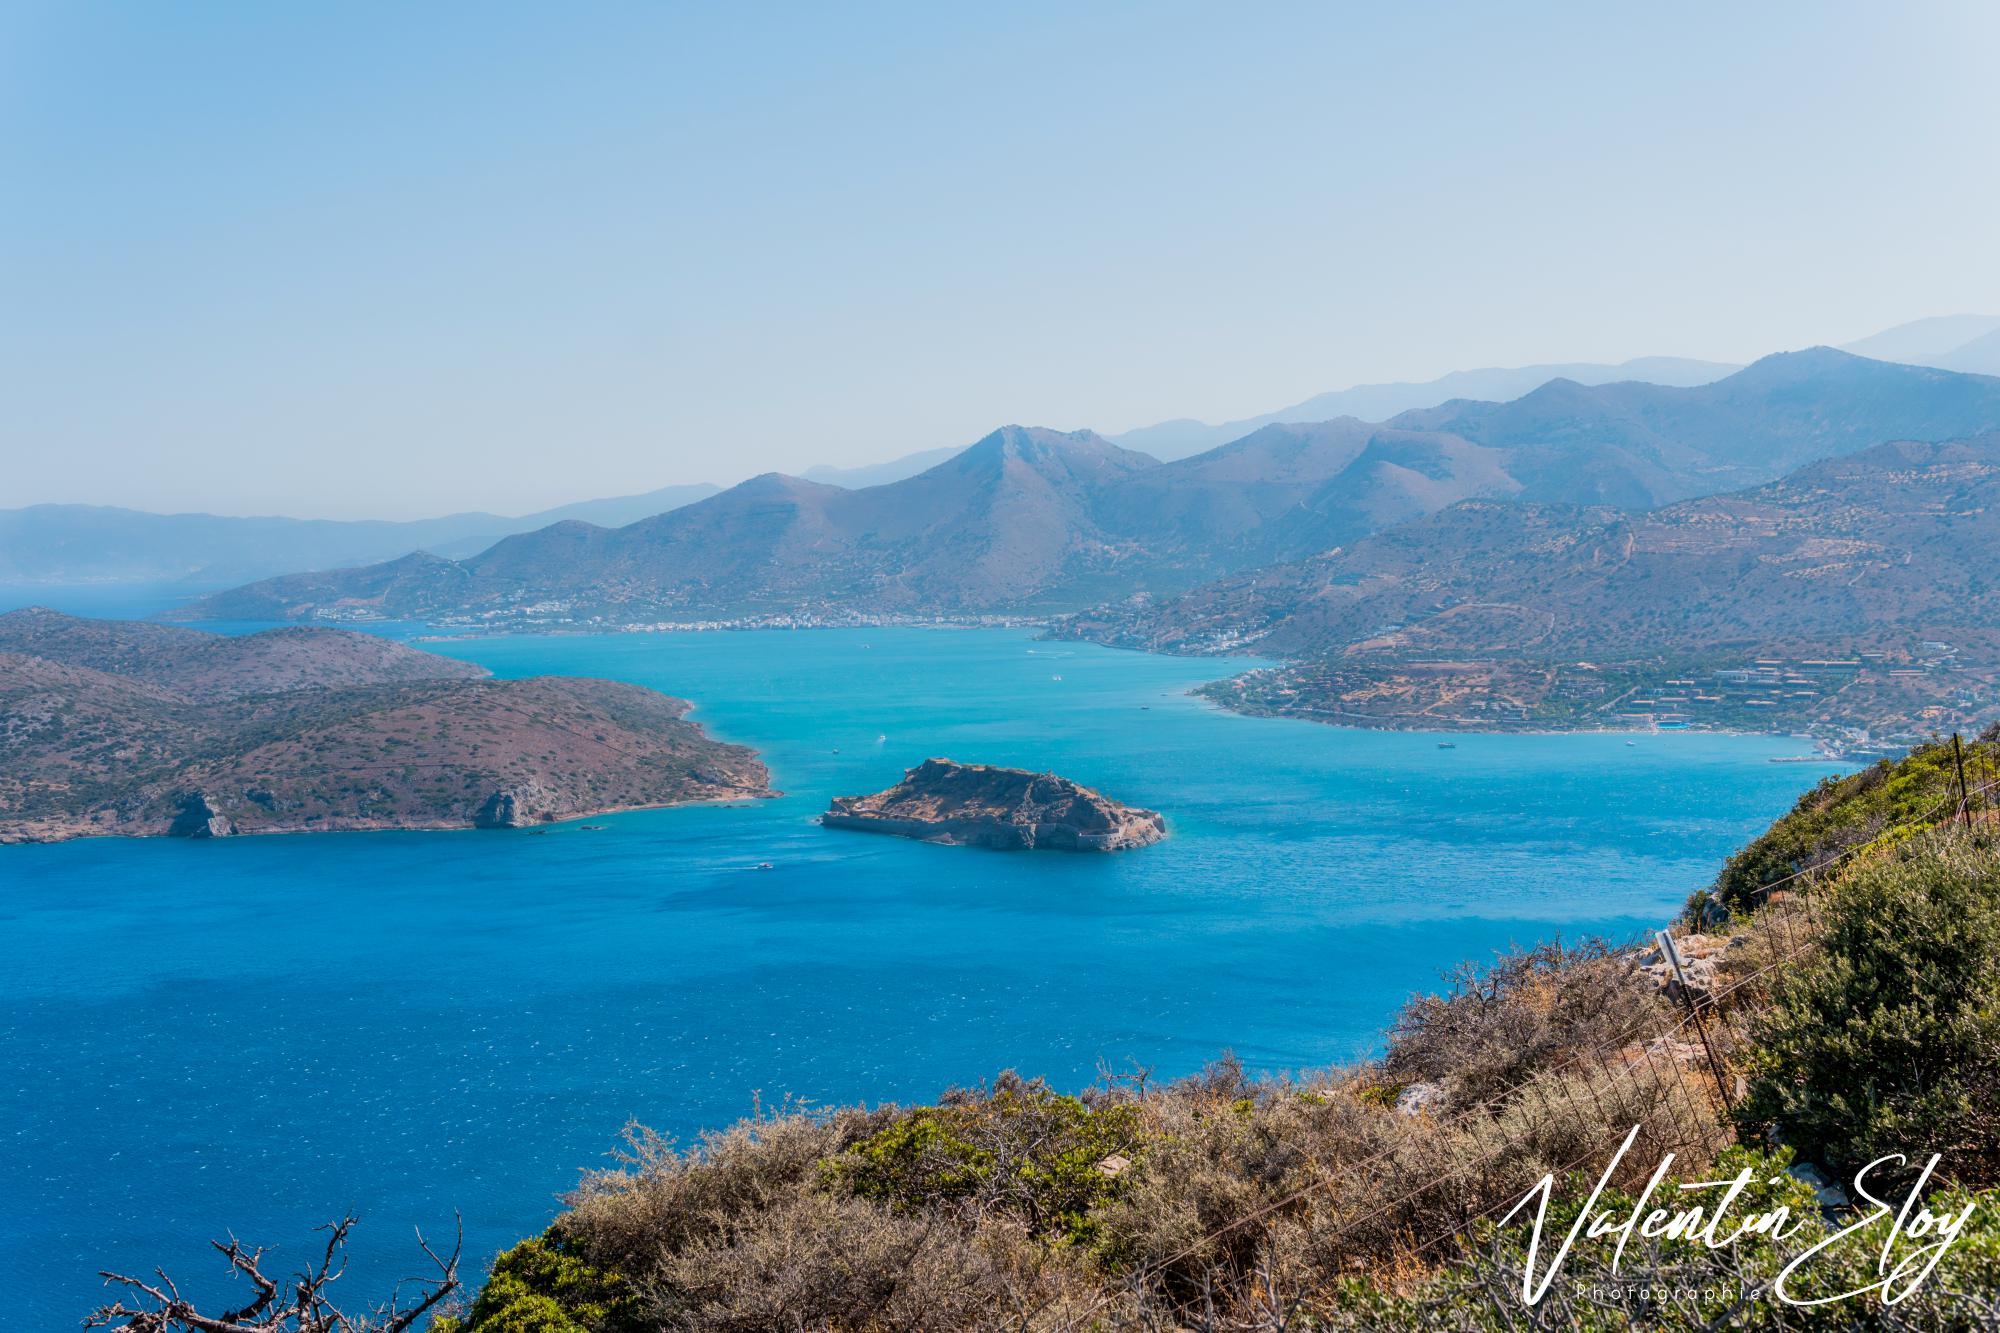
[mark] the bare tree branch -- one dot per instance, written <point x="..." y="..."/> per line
<point x="308" y="1309"/>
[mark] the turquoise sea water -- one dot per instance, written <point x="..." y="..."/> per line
<point x="256" y="1033"/>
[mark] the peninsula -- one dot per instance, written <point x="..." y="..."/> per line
<point x="1010" y="809"/>
<point x="124" y="728"/>
<point x="1845" y="600"/>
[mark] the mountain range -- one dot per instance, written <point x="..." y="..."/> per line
<point x="1004" y="523"/>
<point x="879" y="474"/>
<point x="1034" y="521"/>
<point x="1185" y="436"/>
<point x="56" y="543"/>
<point x="1875" y="548"/>
<point x="1968" y="343"/>
<point x="1850" y="601"/>
<point x="1965" y="343"/>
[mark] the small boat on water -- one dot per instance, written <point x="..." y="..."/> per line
<point x="1447" y="745"/>
<point x="1055" y="677"/>
<point x="765" y="865"/>
<point x="882" y="738"/>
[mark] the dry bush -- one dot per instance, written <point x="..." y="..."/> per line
<point x="821" y="1261"/>
<point x="759" y="1227"/>
<point x="663" y="1201"/>
<point x="1248" y="1206"/>
<point x="1492" y="1027"/>
<point x="1218" y="1151"/>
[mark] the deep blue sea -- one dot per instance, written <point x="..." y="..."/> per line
<point x="256" y="1033"/>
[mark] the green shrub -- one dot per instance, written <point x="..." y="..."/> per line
<point x="1020" y="1148"/>
<point x="1888" y="1040"/>
<point x="540" y="1287"/>
<point x="1845" y="812"/>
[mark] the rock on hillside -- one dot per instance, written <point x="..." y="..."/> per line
<point x="978" y="805"/>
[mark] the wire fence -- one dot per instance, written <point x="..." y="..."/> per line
<point x="1680" y="1078"/>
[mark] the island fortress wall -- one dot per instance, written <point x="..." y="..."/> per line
<point x="1006" y="836"/>
<point x="1008" y="809"/>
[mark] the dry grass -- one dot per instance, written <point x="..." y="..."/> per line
<point x="1217" y="1201"/>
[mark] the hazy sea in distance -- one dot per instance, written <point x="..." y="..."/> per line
<point x="107" y="601"/>
<point x="257" y="1033"/>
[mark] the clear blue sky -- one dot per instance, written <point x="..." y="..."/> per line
<point x="395" y="260"/>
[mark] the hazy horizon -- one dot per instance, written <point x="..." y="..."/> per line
<point x="387" y="263"/>
<point x="724" y="480"/>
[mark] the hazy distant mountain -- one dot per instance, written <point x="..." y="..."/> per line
<point x="1969" y="344"/>
<point x="1378" y="402"/>
<point x="1888" y="542"/>
<point x="879" y="474"/>
<point x="1926" y="342"/>
<point x="1981" y="356"/>
<point x="57" y="543"/>
<point x="1289" y="490"/>
<point x="1284" y="490"/>
<point x="1637" y="444"/>
<point x="614" y="512"/>
<point x="53" y="543"/>
<point x="1033" y="520"/>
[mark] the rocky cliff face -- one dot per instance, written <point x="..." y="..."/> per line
<point x="200" y="818"/>
<point x="979" y="805"/>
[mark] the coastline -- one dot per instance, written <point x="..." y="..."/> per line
<point x="1831" y="749"/>
<point x="1206" y="691"/>
<point x="12" y="838"/>
<point x="1439" y="727"/>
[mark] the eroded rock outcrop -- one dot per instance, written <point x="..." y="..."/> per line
<point x="501" y="810"/>
<point x="516" y="807"/>
<point x="199" y="817"/>
<point x="1010" y="809"/>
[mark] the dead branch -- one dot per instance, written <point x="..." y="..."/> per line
<point x="299" y="1304"/>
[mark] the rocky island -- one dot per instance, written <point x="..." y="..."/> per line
<point x="117" y="727"/>
<point x="978" y="805"/>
